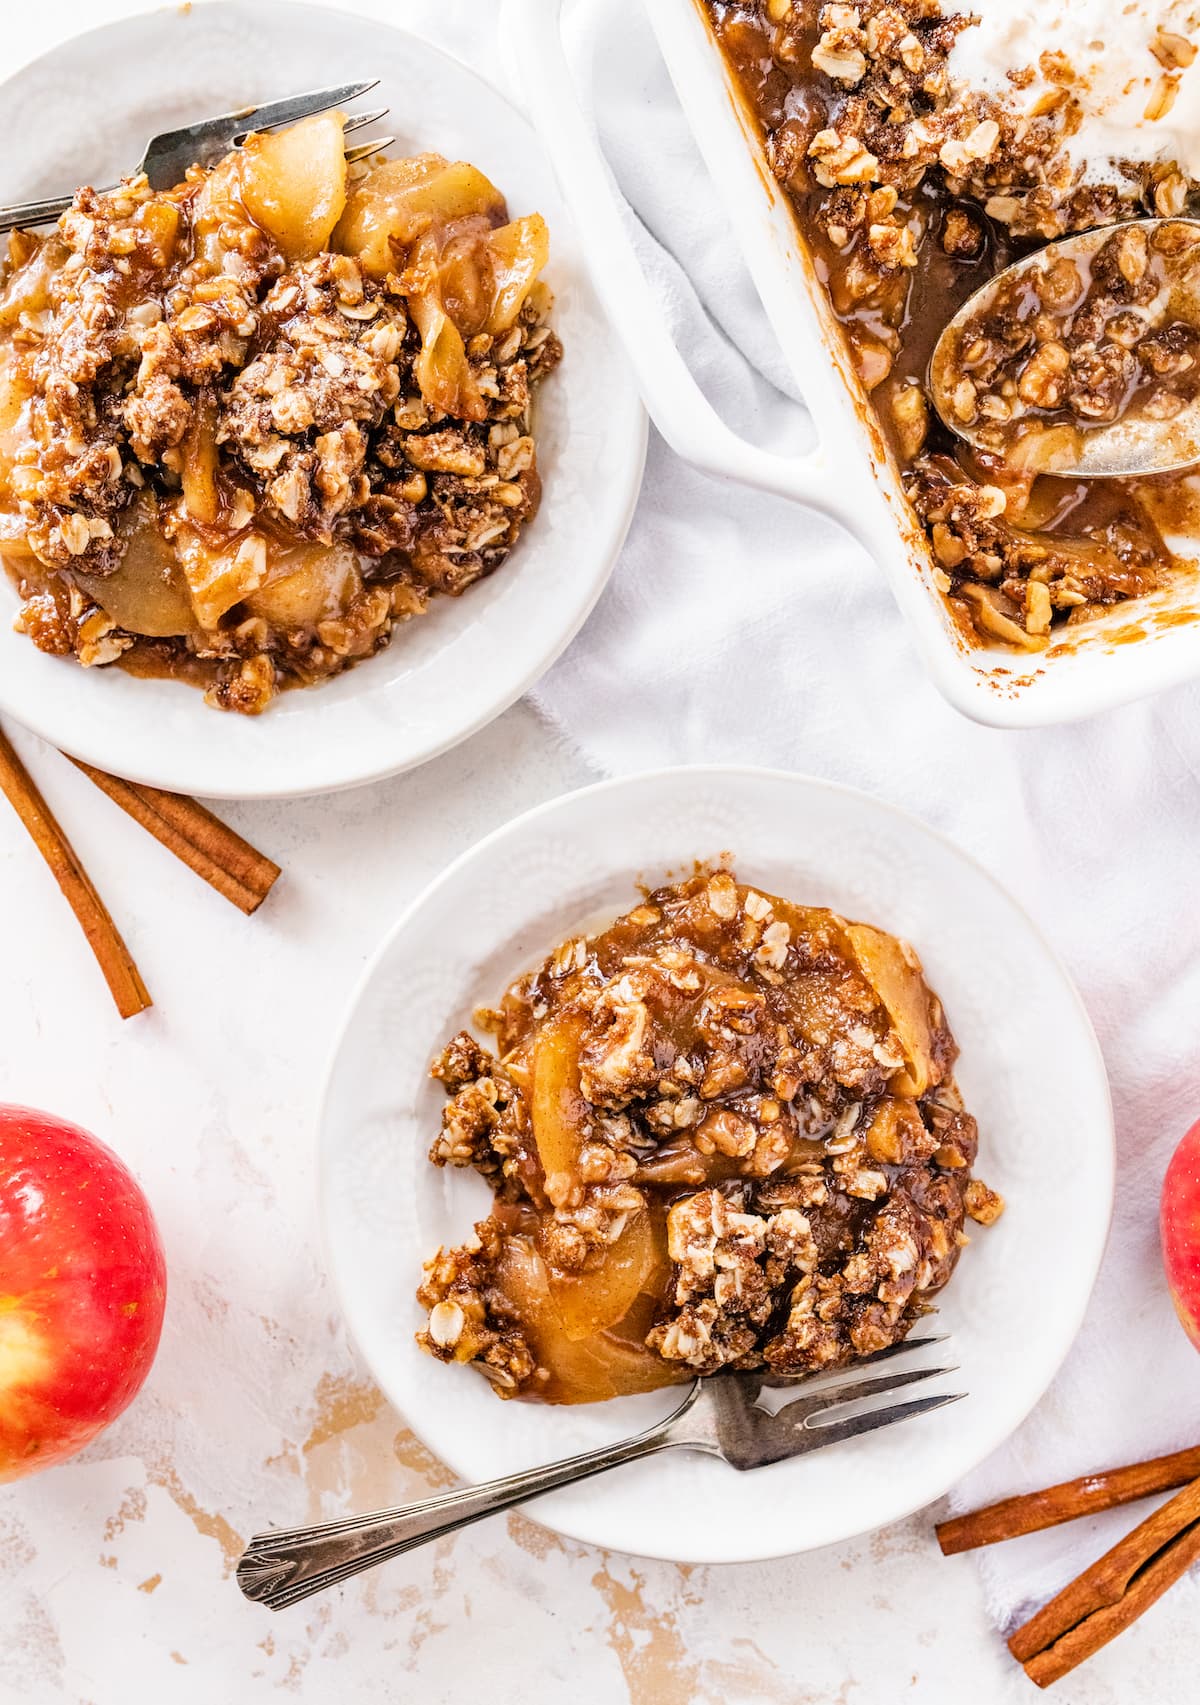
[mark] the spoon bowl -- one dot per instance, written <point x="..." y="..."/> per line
<point x="1053" y="439"/>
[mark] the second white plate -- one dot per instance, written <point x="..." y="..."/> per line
<point x="82" y="114"/>
<point x="1030" y="1070"/>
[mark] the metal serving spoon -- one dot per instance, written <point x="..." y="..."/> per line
<point x="1131" y="446"/>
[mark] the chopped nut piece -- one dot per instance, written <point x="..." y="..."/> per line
<point x="1038" y="609"/>
<point x="446" y="1322"/>
<point x="722" y="896"/>
<point x="1173" y="51"/>
<point x="984" y="1205"/>
<point x="910" y="412"/>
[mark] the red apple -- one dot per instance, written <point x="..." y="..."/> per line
<point x="1179" y="1222"/>
<point x="82" y="1289"/>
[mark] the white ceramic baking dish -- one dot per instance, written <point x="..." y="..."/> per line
<point x="1135" y="649"/>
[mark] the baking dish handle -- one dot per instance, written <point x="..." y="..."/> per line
<point x="677" y="405"/>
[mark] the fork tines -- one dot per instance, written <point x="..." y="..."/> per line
<point x="272" y="114"/>
<point x="280" y="113"/>
<point x="853" y="1391"/>
<point x="366" y="149"/>
<point x="810" y="1413"/>
<point x="360" y="120"/>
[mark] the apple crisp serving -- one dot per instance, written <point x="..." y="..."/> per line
<point x="250" y="424"/>
<point x="721" y="1134"/>
<point x="924" y="149"/>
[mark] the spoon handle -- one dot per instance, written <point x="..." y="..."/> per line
<point x="285" y="1565"/>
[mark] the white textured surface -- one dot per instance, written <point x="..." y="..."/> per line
<point x="1107" y="44"/>
<point x="1045" y="1135"/>
<point x="114" y="1572"/>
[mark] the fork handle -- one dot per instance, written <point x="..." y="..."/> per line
<point x="24" y="213"/>
<point x="284" y="1565"/>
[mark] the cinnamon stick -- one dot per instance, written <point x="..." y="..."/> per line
<point x="112" y="955"/>
<point x="1110" y="1596"/>
<point x="1089" y="1495"/>
<point x="206" y="845"/>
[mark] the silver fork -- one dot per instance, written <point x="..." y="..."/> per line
<point x="169" y="154"/>
<point x="724" y="1417"/>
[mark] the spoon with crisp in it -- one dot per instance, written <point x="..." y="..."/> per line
<point x="1082" y="358"/>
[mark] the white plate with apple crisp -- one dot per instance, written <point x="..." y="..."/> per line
<point x="700" y="1070"/>
<point x="350" y="446"/>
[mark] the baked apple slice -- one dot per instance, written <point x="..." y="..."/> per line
<point x="15" y="434"/>
<point x="558" y="1109"/>
<point x="635" y="1265"/>
<point x="582" y="1370"/>
<point x="517" y="254"/>
<point x="894" y="972"/>
<point x="33" y="265"/>
<point x="147" y="593"/>
<point x="400" y="200"/>
<point x="220" y="576"/>
<point x="587" y="1304"/>
<point x="293" y="183"/>
<point x="443" y="373"/>
<point x="201" y="460"/>
<point x="895" y="1132"/>
<point x="306" y="584"/>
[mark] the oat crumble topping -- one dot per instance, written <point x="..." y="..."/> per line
<point x="722" y="1133"/>
<point x="250" y="424"/>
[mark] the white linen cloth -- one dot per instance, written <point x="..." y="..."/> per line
<point x="740" y="628"/>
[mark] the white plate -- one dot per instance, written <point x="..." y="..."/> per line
<point x="1030" y="1070"/>
<point x="81" y="115"/>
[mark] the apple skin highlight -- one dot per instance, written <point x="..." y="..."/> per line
<point x="83" y="1287"/>
<point x="1179" y="1224"/>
